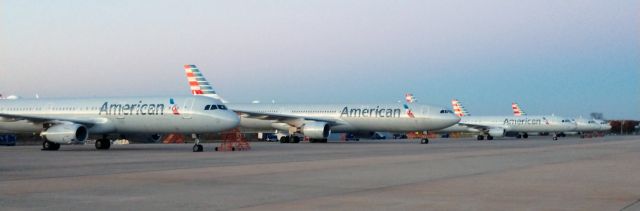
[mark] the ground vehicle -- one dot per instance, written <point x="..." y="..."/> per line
<point x="269" y="137"/>
<point x="399" y="136"/>
<point x="351" y="137"/>
<point x="8" y="140"/>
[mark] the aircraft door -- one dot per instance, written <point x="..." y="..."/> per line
<point x="187" y="109"/>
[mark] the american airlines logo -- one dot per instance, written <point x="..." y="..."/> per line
<point x="139" y="108"/>
<point x="371" y="112"/>
<point x="523" y="121"/>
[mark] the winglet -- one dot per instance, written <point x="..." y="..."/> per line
<point x="458" y="109"/>
<point x="198" y="84"/>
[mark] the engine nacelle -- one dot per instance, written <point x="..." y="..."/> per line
<point x="66" y="133"/>
<point x="316" y="130"/>
<point x="495" y="132"/>
<point x="155" y="138"/>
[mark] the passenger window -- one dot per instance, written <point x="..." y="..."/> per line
<point x="206" y="108"/>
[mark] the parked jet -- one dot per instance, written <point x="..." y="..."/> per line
<point x="498" y="126"/>
<point x="71" y="121"/>
<point x="317" y="121"/>
<point x="584" y="127"/>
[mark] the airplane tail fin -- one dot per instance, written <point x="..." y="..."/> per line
<point x="409" y="98"/>
<point x="517" y="111"/>
<point x="458" y="109"/>
<point x="199" y="84"/>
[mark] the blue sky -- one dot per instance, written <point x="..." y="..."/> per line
<point x="562" y="57"/>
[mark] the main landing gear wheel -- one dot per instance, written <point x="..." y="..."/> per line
<point x="50" y="146"/>
<point x="489" y="138"/>
<point x="296" y="139"/>
<point x="198" y="148"/>
<point x="555" y="138"/>
<point x="284" y="139"/>
<point x="525" y="135"/>
<point x="102" y="144"/>
<point x="480" y="137"/>
<point x="424" y="141"/>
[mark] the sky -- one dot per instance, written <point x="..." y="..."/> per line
<point x="568" y="58"/>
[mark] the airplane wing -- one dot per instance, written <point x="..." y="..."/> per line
<point x="477" y="127"/>
<point x="282" y="117"/>
<point x="40" y="119"/>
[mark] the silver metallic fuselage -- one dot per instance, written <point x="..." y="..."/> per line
<point x="585" y="125"/>
<point x="129" y="115"/>
<point x="352" y="117"/>
<point x="514" y="124"/>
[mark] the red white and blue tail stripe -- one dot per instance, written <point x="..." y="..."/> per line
<point x="458" y="109"/>
<point x="198" y="84"/>
<point x="517" y="111"/>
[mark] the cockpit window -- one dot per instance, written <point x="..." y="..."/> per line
<point x="207" y="107"/>
<point x="222" y="107"/>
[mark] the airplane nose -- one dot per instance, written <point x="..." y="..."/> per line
<point x="449" y="120"/>
<point x="229" y="120"/>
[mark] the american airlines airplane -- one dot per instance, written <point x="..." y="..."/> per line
<point x="584" y="127"/>
<point x="317" y="121"/>
<point x="71" y="121"/>
<point x="498" y="126"/>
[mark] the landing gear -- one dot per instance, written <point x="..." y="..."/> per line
<point x="555" y="137"/>
<point x="518" y="136"/>
<point x="284" y="139"/>
<point x="103" y="144"/>
<point x="291" y="139"/>
<point x="489" y="137"/>
<point x="296" y="139"/>
<point x="480" y="137"/>
<point x="424" y="141"/>
<point x="50" y="146"/>
<point x="525" y="135"/>
<point x="197" y="147"/>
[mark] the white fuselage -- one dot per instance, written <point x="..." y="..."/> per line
<point x="351" y="117"/>
<point x="118" y="115"/>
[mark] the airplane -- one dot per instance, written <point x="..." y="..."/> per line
<point x="71" y="121"/>
<point x="584" y="127"/>
<point x="317" y="121"/>
<point x="499" y="126"/>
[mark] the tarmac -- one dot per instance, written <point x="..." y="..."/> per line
<point x="447" y="174"/>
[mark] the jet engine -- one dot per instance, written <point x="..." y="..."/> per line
<point x="316" y="130"/>
<point x="496" y="132"/>
<point x="155" y="138"/>
<point x="66" y="133"/>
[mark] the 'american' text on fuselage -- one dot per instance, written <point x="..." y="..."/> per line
<point x="131" y="109"/>
<point x="370" y="112"/>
